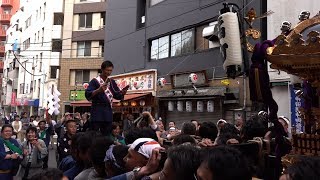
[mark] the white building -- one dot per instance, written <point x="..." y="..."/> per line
<point x="37" y="29"/>
<point x="285" y="10"/>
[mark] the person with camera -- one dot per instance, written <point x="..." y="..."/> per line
<point x="34" y="150"/>
<point x="10" y="153"/>
<point x="101" y="92"/>
<point x="146" y="120"/>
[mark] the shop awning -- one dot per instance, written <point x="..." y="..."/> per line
<point x="191" y="93"/>
<point x="80" y="103"/>
<point x="126" y="98"/>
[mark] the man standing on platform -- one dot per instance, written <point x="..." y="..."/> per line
<point x="100" y="92"/>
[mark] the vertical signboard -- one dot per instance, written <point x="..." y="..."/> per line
<point x="296" y="102"/>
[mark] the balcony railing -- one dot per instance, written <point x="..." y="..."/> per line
<point x="7" y="3"/>
<point x="2" y="49"/>
<point x="5" y="17"/>
<point x="2" y="33"/>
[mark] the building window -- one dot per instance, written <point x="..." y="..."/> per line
<point x="42" y="36"/>
<point x="22" y="88"/>
<point x="40" y="13"/>
<point x="85" y="20"/>
<point x="40" y="64"/>
<point x="58" y="19"/>
<point x="6" y="10"/>
<point x="154" y="2"/>
<point x="83" y="48"/>
<point x="141" y="13"/>
<point x="28" y="22"/>
<point x="53" y="72"/>
<point x="44" y="11"/>
<point x="101" y="47"/>
<point x="160" y="48"/>
<point x="56" y="45"/>
<point x="182" y="42"/>
<point x="26" y="44"/>
<point x="82" y="76"/>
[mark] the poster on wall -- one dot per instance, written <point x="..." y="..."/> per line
<point x="296" y="101"/>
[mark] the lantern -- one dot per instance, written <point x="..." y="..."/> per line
<point x="161" y="82"/>
<point x="142" y="102"/>
<point x="133" y="103"/>
<point x="210" y="106"/>
<point x="125" y="103"/>
<point x="137" y="84"/>
<point x="189" y="106"/>
<point x="193" y="78"/>
<point x="200" y="106"/>
<point x="85" y="85"/>
<point x="180" y="106"/>
<point x="170" y="106"/>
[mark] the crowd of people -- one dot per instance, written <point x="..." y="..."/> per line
<point x="144" y="148"/>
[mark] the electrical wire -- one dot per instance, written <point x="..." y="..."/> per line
<point x="26" y="69"/>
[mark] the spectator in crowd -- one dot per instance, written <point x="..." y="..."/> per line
<point x="84" y="122"/>
<point x="221" y="123"/>
<point x="135" y="133"/>
<point x="6" y="119"/>
<point x="223" y="163"/>
<point x="45" y="135"/>
<point x="171" y="124"/>
<point x="239" y="122"/>
<point x="196" y="123"/>
<point x="17" y="127"/>
<point x="100" y="92"/>
<point x="182" y="163"/>
<point x="189" y="129"/>
<point x="25" y="123"/>
<point x="161" y="132"/>
<point x="183" y="138"/>
<point x="65" y="141"/>
<point x="80" y="145"/>
<point x="97" y="154"/>
<point x="114" y="163"/>
<point x="139" y="153"/>
<point x="10" y="154"/>
<point x="34" y="121"/>
<point x="128" y="122"/>
<point x="305" y="168"/>
<point x="115" y="134"/>
<point x="34" y="150"/>
<point x="59" y="128"/>
<point x="49" y="174"/>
